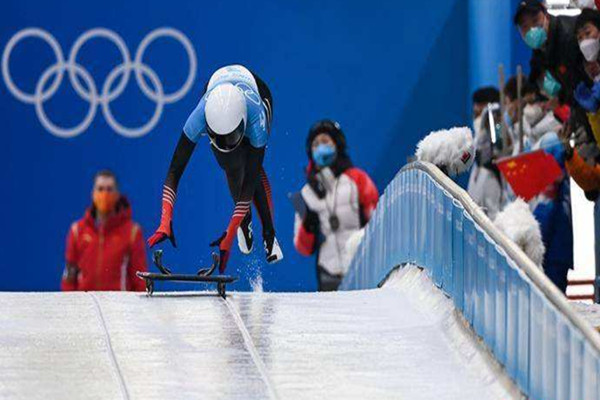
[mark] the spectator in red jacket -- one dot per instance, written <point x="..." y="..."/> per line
<point x="334" y="205"/>
<point x="105" y="248"/>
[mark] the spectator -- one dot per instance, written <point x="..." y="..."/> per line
<point x="336" y="202"/>
<point x="485" y="184"/>
<point x="481" y="98"/>
<point x="540" y="115"/>
<point x="587" y="93"/>
<point x="587" y="175"/>
<point x="105" y="248"/>
<point x="554" y="46"/>
<point x="552" y="209"/>
<point x="556" y="64"/>
<point x="582" y="162"/>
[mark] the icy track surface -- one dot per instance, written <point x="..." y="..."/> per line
<point x="404" y="341"/>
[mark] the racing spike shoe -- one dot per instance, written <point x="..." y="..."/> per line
<point x="244" y="235"/>
<point x="272" y="250"/>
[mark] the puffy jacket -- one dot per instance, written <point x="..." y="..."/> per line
<point x="351" y="196"/>
<point x="107" y="256"/>
<point x="586" y="176"/>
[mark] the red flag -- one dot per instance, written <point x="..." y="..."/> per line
<point x="530" y="173"/>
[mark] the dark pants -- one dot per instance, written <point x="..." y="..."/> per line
<point x="326" y="281"/>
<point x="248" y="181"/>
<point x="558" y="275"/>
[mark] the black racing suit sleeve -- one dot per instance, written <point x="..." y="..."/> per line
<point x="181" y="157"/>
<point x="251" y="178"/>
<point x="252" y="173"/>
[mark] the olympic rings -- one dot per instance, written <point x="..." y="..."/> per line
<point x="90" y="93"/>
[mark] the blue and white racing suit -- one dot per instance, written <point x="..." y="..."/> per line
<point x="246" y="177"/>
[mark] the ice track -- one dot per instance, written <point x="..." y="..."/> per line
<point x="404" y="341"/>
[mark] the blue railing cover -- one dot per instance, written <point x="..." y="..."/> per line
<point x="424" y="218"/>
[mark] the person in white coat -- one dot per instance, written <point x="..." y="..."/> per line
<point x="335" y="203"/>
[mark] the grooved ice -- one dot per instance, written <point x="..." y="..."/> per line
<point x="402" y="341"/>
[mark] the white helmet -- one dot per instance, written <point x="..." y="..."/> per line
<point x="226" y="115"/>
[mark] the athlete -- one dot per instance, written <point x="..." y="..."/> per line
<point x="235" y="112"/>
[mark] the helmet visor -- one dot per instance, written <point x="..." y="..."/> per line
<point x="227" y="142"/>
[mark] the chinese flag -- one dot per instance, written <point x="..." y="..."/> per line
<point x="530" y="173"/>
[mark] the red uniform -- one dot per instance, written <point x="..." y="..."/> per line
<point x="108" y="255"/>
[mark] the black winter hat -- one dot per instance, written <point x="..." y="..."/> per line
<point x="587" y="15"/>
<point x="330" y="127"/>
<point x="488" y="94"/>
<point x="530" y="7"/>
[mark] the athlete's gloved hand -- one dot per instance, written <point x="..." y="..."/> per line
<point x="224" y="250"/>
<point x="165" y="229"/>
<point x="585" y="97"/>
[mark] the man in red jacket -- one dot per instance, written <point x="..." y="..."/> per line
<point x="105" y="248"/>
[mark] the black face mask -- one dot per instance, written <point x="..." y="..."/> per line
<point x="230" y="141"/>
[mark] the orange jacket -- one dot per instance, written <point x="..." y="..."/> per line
<point x="586" y="176"/>
<point x="106" y="256"/>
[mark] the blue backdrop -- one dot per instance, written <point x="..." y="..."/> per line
<point x="389" y="74"/>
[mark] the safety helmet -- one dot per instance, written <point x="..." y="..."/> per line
<point x="226" y="115"/>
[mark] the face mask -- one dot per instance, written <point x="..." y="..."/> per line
<point x="533" y="113"/>
<point x="105" y="201"/>
<point x="589" y="48"/>
<point x="536" y="37"/>
<point x="551" y="86"/>
<point x="324" y="155"/>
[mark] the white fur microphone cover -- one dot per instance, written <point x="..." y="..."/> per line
<point x="452" y="150"/>
<point x="517" y="222"/>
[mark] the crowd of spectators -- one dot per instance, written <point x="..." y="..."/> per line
<point x="557" y="105"/>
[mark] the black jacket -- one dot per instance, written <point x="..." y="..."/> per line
<point x="561" y="57"/>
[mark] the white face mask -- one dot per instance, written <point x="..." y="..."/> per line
<point x="589" y="48"/>
<point x="533" y="113"/>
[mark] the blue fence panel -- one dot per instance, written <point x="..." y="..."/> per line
<point x="470" y="257"/>
<point x="576" y="366"/>
<point x="458" y="261"/>
<point x="447" y="243"/>
<point x="512" y="320"/>
<point x="537" y="343"/>
<point x="491" y="282"/>
<point x="423" y="218"/>
<point x="550" y="354"/>
<point x="563" y="362"/>
<point x="479" y="285"/>
<point x="500" y="305"/>
<point x="523" y="346"/>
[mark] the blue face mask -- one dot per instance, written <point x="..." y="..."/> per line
<point x="551" y="86"/>
<point x="536" y="37"/>
<point x="324" y="155"/>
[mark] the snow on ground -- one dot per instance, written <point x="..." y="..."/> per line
<point x="402" y="341"/>
<point x="590" y="312"/>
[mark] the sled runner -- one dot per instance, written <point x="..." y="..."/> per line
<point x="204" y="275"/>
